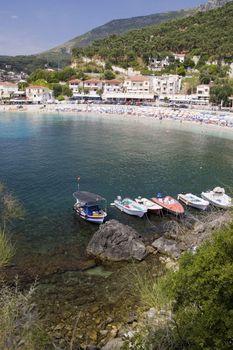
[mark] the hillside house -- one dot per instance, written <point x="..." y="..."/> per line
<point x="113" y="85"/>
<point x="93" y="85"/>
<point x="75" y="85"/>
<point x="7" y="89"/>
<point x="166" y="84"/>
<point x="137" y="84"/>
<point x="203" y="92"/>
<point x="39" y="94"/>
<point x="157" y="64"/>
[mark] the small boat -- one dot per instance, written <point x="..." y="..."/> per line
<point x="218" y="198"/>
<point x="151" y="206"/>
<point x="130" y="207"/>
<point x="88" y="206"/>
<point x="193" y="201"/>
<point x="171" y="205"/>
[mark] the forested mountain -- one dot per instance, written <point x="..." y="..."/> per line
<point x="206" y="34"/>
<point x="120" y="26"/>
<point x="59" y="56"/>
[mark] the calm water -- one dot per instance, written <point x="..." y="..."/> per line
<point x="41" y="156"/>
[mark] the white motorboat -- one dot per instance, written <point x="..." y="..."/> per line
<point x="218" y="198"/>
<point x="193" y="201"/>
<point x="130" y="207"/>
<point x="151" y="206"/>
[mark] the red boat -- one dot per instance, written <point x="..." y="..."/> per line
<point x="170" y="204"/>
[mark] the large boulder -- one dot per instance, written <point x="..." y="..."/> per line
<point x="167" y="247"/>
<point x="116" y="242"/>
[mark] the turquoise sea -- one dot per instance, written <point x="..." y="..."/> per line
<point x="40" y="158"/>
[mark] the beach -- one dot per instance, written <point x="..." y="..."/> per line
<point x="197" y="116"/>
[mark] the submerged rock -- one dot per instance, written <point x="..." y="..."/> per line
<point x="116" y="242"/>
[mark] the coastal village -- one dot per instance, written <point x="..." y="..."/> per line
<point x="116" y="200"/>
<point x="122" y="91"/>
<point x="130" y="86"/>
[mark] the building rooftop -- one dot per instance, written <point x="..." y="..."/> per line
<point x="138" y="78"/>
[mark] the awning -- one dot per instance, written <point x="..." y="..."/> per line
<point x="87" y="198"/>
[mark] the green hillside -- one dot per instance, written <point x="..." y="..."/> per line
<point x="29" y="63"/>
<point x="207" y="34"/>
<point x="120" y="26"/>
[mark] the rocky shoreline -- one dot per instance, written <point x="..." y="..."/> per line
<point x="95" y="301"/>
<point x="179" y="237"/>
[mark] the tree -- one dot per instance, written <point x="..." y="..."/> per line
<point x="66" y="91"/>
<point x="219" y="94"/>
<point x="196" y="301"/>
<point x="181" y="71"/>
<point x="22" y="86"/>
<point x="203" y="295"/>
<point x="57" y="90"/>
<point x="108" y="66"/>
<point x="108" y="75"/>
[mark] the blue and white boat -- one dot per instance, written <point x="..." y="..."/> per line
<point x="89" y="206"/>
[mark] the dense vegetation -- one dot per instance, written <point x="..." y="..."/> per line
<point x="196" y="301"/>
<point x="28" y="64"/>
<point x="208" y="34"/>
<point x="121" y="26"/>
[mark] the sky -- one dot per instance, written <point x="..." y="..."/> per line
<point x="33" y="26"/>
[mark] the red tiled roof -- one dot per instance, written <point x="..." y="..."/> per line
<point x="138" y="78"/>
<point x="7" y="83"/>
<point x="37" y="87"/>
<point x="75" y="81"/>
<point x="92" y="81"/>
<point x="113" y="81"/>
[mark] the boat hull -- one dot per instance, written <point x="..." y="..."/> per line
<point x="96" y="220"/>
<point x="152" y="207"/>
<point x="128" y="211"/>
<point x="169" y="204"/>
<point x="215" y="202"/>
<point x="201" y="205"/>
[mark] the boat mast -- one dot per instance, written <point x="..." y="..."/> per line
<point x="78" y="179"/>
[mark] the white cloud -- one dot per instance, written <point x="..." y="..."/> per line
<point x="14" y="17"/>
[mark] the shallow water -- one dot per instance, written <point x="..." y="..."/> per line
<point x="40" y="158"/>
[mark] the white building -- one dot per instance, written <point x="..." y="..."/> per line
<point x="39" y="94"/>
<point x="157" y="64"/>
<point x="166" y="84"/>
<point x="75" y="85"/>
<point x="137" y="84"/>
<point x="179" y="57"/>
<point x="7" y="89"/>
<point x="203" y="92"/>
<point x="93" y="85"/>
<point x="113" y="85"/>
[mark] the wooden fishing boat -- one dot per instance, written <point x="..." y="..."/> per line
<point x="193" y="201"/>
<point x="171" y="205"/>
<point x="88" y="206"/>
<point x="151" y="206"/>
<point x="130" y="207"/>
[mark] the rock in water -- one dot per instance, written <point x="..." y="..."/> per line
<point x="116" y="242"/>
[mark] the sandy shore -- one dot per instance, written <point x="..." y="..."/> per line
<point x="220" y="119"/>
